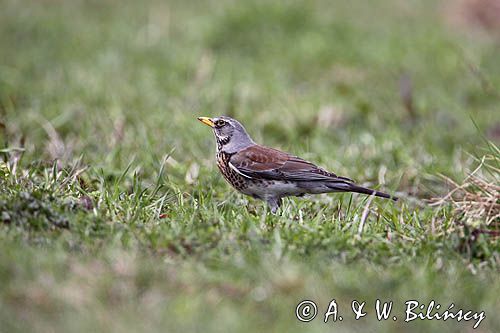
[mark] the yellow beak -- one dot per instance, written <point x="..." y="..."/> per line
<point x="207" y="121"/>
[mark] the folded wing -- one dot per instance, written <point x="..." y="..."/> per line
<point x="267" y="163"/>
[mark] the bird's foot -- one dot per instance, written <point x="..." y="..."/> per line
<point x="274" y="203"/>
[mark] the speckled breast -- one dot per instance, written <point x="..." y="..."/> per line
<point x="236" y="180"/>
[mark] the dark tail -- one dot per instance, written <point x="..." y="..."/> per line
<point x="349" y="187"/>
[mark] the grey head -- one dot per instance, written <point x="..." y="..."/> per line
<point x="230" y="135"/>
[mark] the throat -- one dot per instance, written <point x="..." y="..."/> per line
<point x="222" y="141"/>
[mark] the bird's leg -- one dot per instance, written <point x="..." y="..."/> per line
<point x="274" y="203"/>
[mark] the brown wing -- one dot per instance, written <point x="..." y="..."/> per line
<point x="267" y="163"/>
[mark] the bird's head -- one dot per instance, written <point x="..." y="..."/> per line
<point x="230" y="135"/>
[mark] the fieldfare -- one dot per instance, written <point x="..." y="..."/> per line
<point x="269" y="174"/>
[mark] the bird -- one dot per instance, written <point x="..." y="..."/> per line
<point x="269" y="174"/>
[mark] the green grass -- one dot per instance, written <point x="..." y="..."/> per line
<point x="113" y="216"/>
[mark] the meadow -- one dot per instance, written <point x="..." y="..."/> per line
<point x="114" y="217"/>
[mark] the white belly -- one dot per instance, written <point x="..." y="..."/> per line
<point x="273" y="188"/>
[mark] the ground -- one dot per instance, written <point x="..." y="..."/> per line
<point x="114" y="218"/>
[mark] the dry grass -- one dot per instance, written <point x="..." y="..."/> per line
<point x="477" y="199"/>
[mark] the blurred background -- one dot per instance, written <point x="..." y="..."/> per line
<point x="119" y="77"/>
<point x="385" y="92"/>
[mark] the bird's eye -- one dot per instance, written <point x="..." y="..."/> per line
<point x="220" y="123"/>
